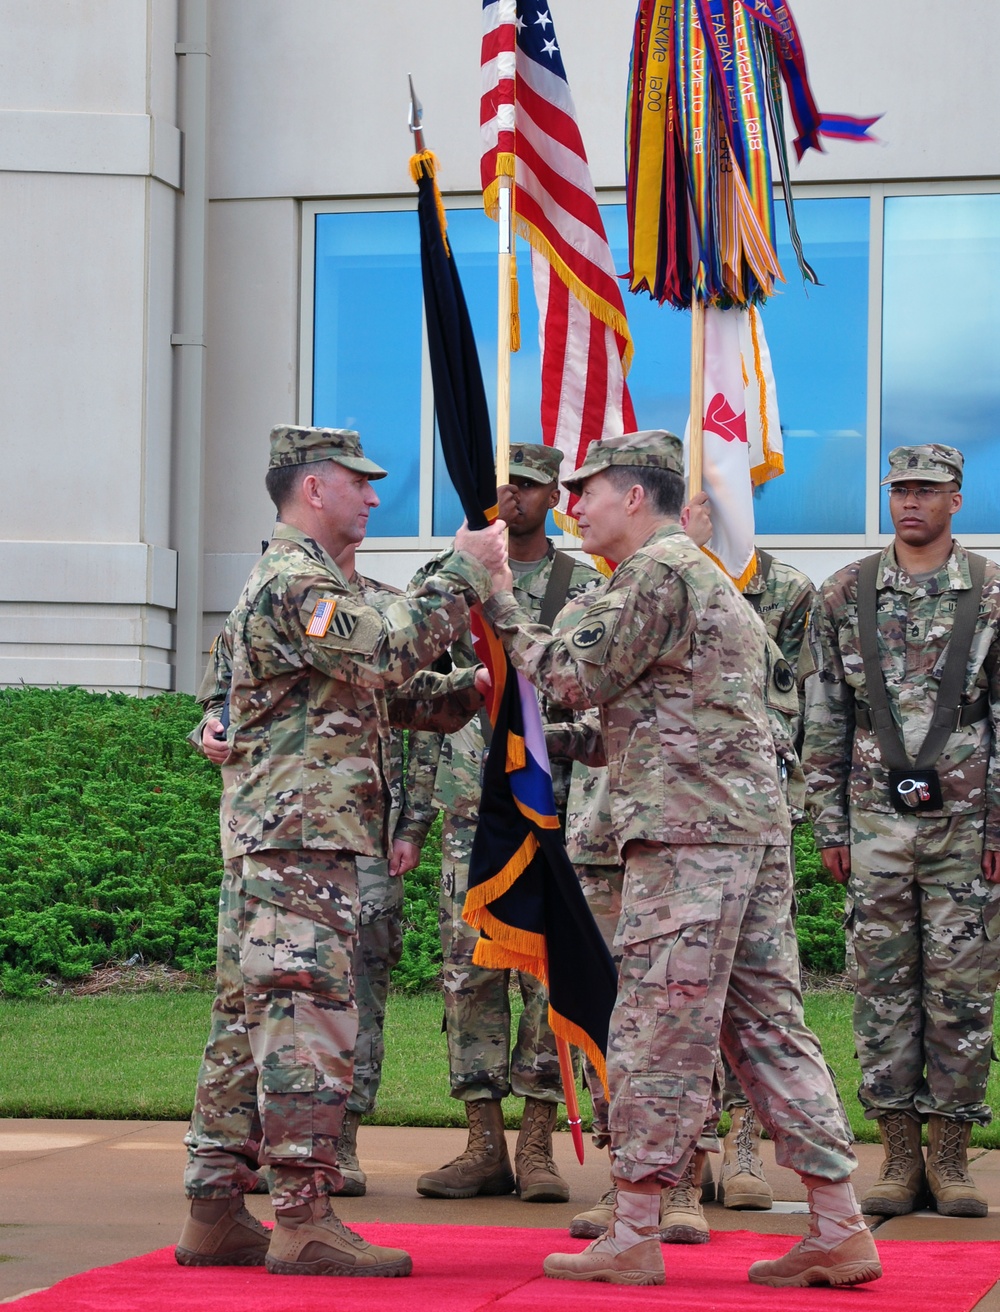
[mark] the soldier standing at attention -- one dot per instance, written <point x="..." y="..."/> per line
<point x="670" y="654"/>
<point x="446" y="774"/>
<point x="901" y="764"/>
<point x="379" y="943"/>
<point x="306" y="792"/>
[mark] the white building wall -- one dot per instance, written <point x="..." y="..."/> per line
<point x="308" y="100"/>
<point x="87" y="182"/>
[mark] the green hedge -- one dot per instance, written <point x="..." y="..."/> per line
<point x="109" y="847"/>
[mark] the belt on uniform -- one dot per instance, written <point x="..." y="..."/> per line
<point x="969" y="713"/>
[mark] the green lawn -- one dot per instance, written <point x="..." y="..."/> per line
<point x="135" y="1056"/>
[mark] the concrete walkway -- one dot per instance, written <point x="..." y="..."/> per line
<point x="82" y="1194"/>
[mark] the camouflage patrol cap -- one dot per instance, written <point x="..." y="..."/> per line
<point x="534" y="461"/>
<point x="653" y="448"/>
<point x="932" y="463"/>
<point x="291" y="445"/>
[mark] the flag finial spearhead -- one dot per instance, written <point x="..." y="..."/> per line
<point x="416" y="119"/>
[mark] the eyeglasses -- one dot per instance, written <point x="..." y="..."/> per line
<point x="899" y="493"/>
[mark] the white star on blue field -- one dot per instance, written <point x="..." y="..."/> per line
<point x="536" y="36"/>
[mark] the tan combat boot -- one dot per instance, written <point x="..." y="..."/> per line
<point x="592" y="1223"/>
<point x="538" y="1181"/>
<point x="742" y="1186"/>
<point x="900" y="1183"/>
<point x="948" y="1175"/>
<point x="483" y="1167"/>
<point x="630" y="1252"/>
<point x="355" y="1180"/>
<point x="310" y="1241"/>
<point x="221" y="1232"/>
<point x="838" y="1250"/>
<point x="682" y="1220"/>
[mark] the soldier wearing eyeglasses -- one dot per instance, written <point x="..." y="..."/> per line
<point x="907" y="816"/>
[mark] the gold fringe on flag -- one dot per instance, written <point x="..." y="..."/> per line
<point x="748" y="573"/>
<point x="597" y="305"/>
<point x="774" y="461"/>
<point x="426" y="165"/>
<point x="517" y="753"/>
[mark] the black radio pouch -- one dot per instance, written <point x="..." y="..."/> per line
<point x="915" y="790"/>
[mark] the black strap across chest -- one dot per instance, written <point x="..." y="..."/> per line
<point x="946" y="711"/>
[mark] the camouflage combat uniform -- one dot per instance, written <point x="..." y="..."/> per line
<point x="783" y="601"/>
<point x="676" y="664"/>
<point x="923" y="922"/>
<point x="305" y="793"/>
<point x="593" y="849"/>
<point x="446" y="774"/>
<point x="380" y="895"/>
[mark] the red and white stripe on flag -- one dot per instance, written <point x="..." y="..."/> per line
<point x="527" y="110"/>
<point x="742" y="433"/>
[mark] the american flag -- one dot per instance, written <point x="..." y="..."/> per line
<point x="529" y="128"/>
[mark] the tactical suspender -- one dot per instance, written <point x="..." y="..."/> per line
<point x="557" y="588"/>
<point x="947" y="714"/>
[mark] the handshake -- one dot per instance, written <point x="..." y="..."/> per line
<point x="489" y="547"/>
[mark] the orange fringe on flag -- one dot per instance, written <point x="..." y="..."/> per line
<point x="476" y="899"/>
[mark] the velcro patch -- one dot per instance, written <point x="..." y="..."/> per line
<point x="591" y="638"/>
<point x="325" y="610"/>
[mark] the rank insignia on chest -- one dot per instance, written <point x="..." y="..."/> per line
<point x="325" y="610"/>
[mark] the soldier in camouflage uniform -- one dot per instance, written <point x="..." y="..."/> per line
<point x="923" y="901"/>
<point x="380" y="895"/>
<point x="782" y="596"/>
<point x="676" y="664"/>
<point x="446" y="774"/>
<point x="306" y="792"/>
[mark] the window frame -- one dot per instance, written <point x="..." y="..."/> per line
<point x="875" y="192"/>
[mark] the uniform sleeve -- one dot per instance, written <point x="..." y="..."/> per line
<point x="578" y="740"/>
<point x="829" y="735"/>
<point x="791" y="635"/>
<point x="370" y="647"/>
<point x="214" y="685"/>
<point x="645" y="611"/>
<point x="424" y="750"/>
<point x="442" y="703"/>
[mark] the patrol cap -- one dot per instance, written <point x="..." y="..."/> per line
<point x="653" y="448"/>
<point x="291" y="445"/>
<point x="932" y="463"/>
<point x="531" y="460"/>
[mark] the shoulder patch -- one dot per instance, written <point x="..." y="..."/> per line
<point x="589" y="636"/>
<point x="322" y="616"/>
<point x="784" y="679"/>
<point x="590" y="639"/>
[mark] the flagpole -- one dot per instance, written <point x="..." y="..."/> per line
<point x="696" y="443"/>
<point x="505" y="227"/>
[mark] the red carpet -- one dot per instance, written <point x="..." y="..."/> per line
<point x="492" y="1269"/>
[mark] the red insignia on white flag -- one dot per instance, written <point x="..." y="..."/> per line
<point x="742" y="433"/>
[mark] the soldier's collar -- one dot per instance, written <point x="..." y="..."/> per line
<point x="286" y="533"/>
<point x="953" y="576"/>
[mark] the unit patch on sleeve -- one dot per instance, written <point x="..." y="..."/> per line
<point x="325" y="610"/>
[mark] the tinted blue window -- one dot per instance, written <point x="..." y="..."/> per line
<point x="366" y="352"/>
<point x="941" y="340"/>
<point x="819" y="344"/>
